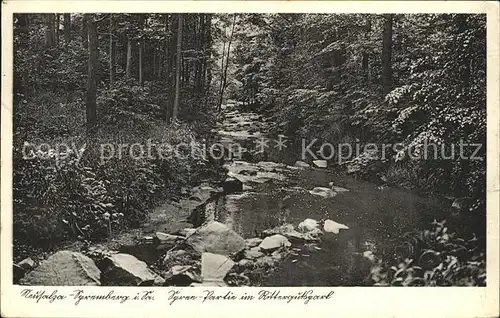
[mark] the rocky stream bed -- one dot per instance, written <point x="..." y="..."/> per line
<point x="275" y="221"/>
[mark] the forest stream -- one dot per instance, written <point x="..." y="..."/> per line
<point x="276" y="192"/>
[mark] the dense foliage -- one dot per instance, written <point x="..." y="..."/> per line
<point x="322" y="76"/>
<point x="65" y="193"/>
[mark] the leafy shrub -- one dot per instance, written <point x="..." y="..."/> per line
<point x="432" y="257"/>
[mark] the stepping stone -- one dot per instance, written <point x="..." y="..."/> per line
<point x="127" y="270"/>
<point x="301" y="164"/>
<point x="274" y="242"/>
<point x="64" y="268"/>
<point x="320" y="163"/>
<point x="216" y="238"/>
<point x="323" y="192"/>
<point x="334" y="227"/>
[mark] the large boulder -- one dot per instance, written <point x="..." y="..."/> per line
<point x="64" y="268"/>
<point x="214" y="267"/>
<point x="182" y="275"/>
<point x="217" y="238"/>
<point x="308" y="225"/>
<point x="126" y="270"/>
<point x="232" y="185"/>
<point x="274" y="242"/>
<point x="334" y="227"/>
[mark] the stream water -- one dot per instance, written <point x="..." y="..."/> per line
<point x="276" y="192"/>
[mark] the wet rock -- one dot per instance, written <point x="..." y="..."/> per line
<point x="282" y="229"/>
<point x="187" y="232"/>
<point x="274" y="242"/>
<point x="27" y="264"/>
<point x="308" y="225"/>
<point x="17" y="273"/>
<point x="278" y="254"/>
<point x="194" y="198"/>
<point x="253" y="253"/>
<point x="248" y="172"/>
<point x="334" y="227"/>
<point x="180" y="275"/>
<point x="232" y="185"/>
<point x="164" y="238"/>
<point x="245" y="263"/>
<point x="288" y="231"/>
<point x="337" y="189"/>
<point x="159" y="281"/>
<point x="214" y="267"/>
<point x="126" y="270"/>
<point x="181" y="257"/>
<point x="315" y="233"/>
<point x="252" y="242"/>
<point x="301" y="164"/>
<point x="320" y="163"/>
<point x="323" y="192"/>
<point x="216" y="238"/>
<point x="247" y="187"/>
<point x="64" y="268"/>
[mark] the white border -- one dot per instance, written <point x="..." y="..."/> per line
<point x="347" y="301"/>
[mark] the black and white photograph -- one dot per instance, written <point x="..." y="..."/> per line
<point x="248" y="149"/>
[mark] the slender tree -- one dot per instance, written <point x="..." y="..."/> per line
<point x="178" y="68"/>
<point x="224" y="76"/>
<point x="85" y="31"/>
<point x="112" y="51"/>
<point x="57" y="23"/>
<point x="141" y="50"/>
<point x="365" y="57"/>
<point x="128" y="71"/>
<point x="91" y="112"/>
<point x="67" y="28"/>
<point x="386" y="54"/>
<point x="50" y="35"/>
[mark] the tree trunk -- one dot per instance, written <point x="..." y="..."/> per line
<point x="50" y="30"/>
<point x="67" y="28"/>
<point x="112" y="52"/>
<point x="141" y="66"/>
<point x="199" y="62"/>
<point x="386" y="54"/>
<point x="168" y="61"/>
<point x="91" y="113"/>
<point x="84" y="32"/>
<point x="141" y="52"/>
<point x="222" y="70"/>
<point x="129" y="58"/>
<point x="178" y="68"/>
<point x="224" y="78"/>
<point x="365" y="62"/>
<point x="58" y="21"/>
<point x="207" y="70"/>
